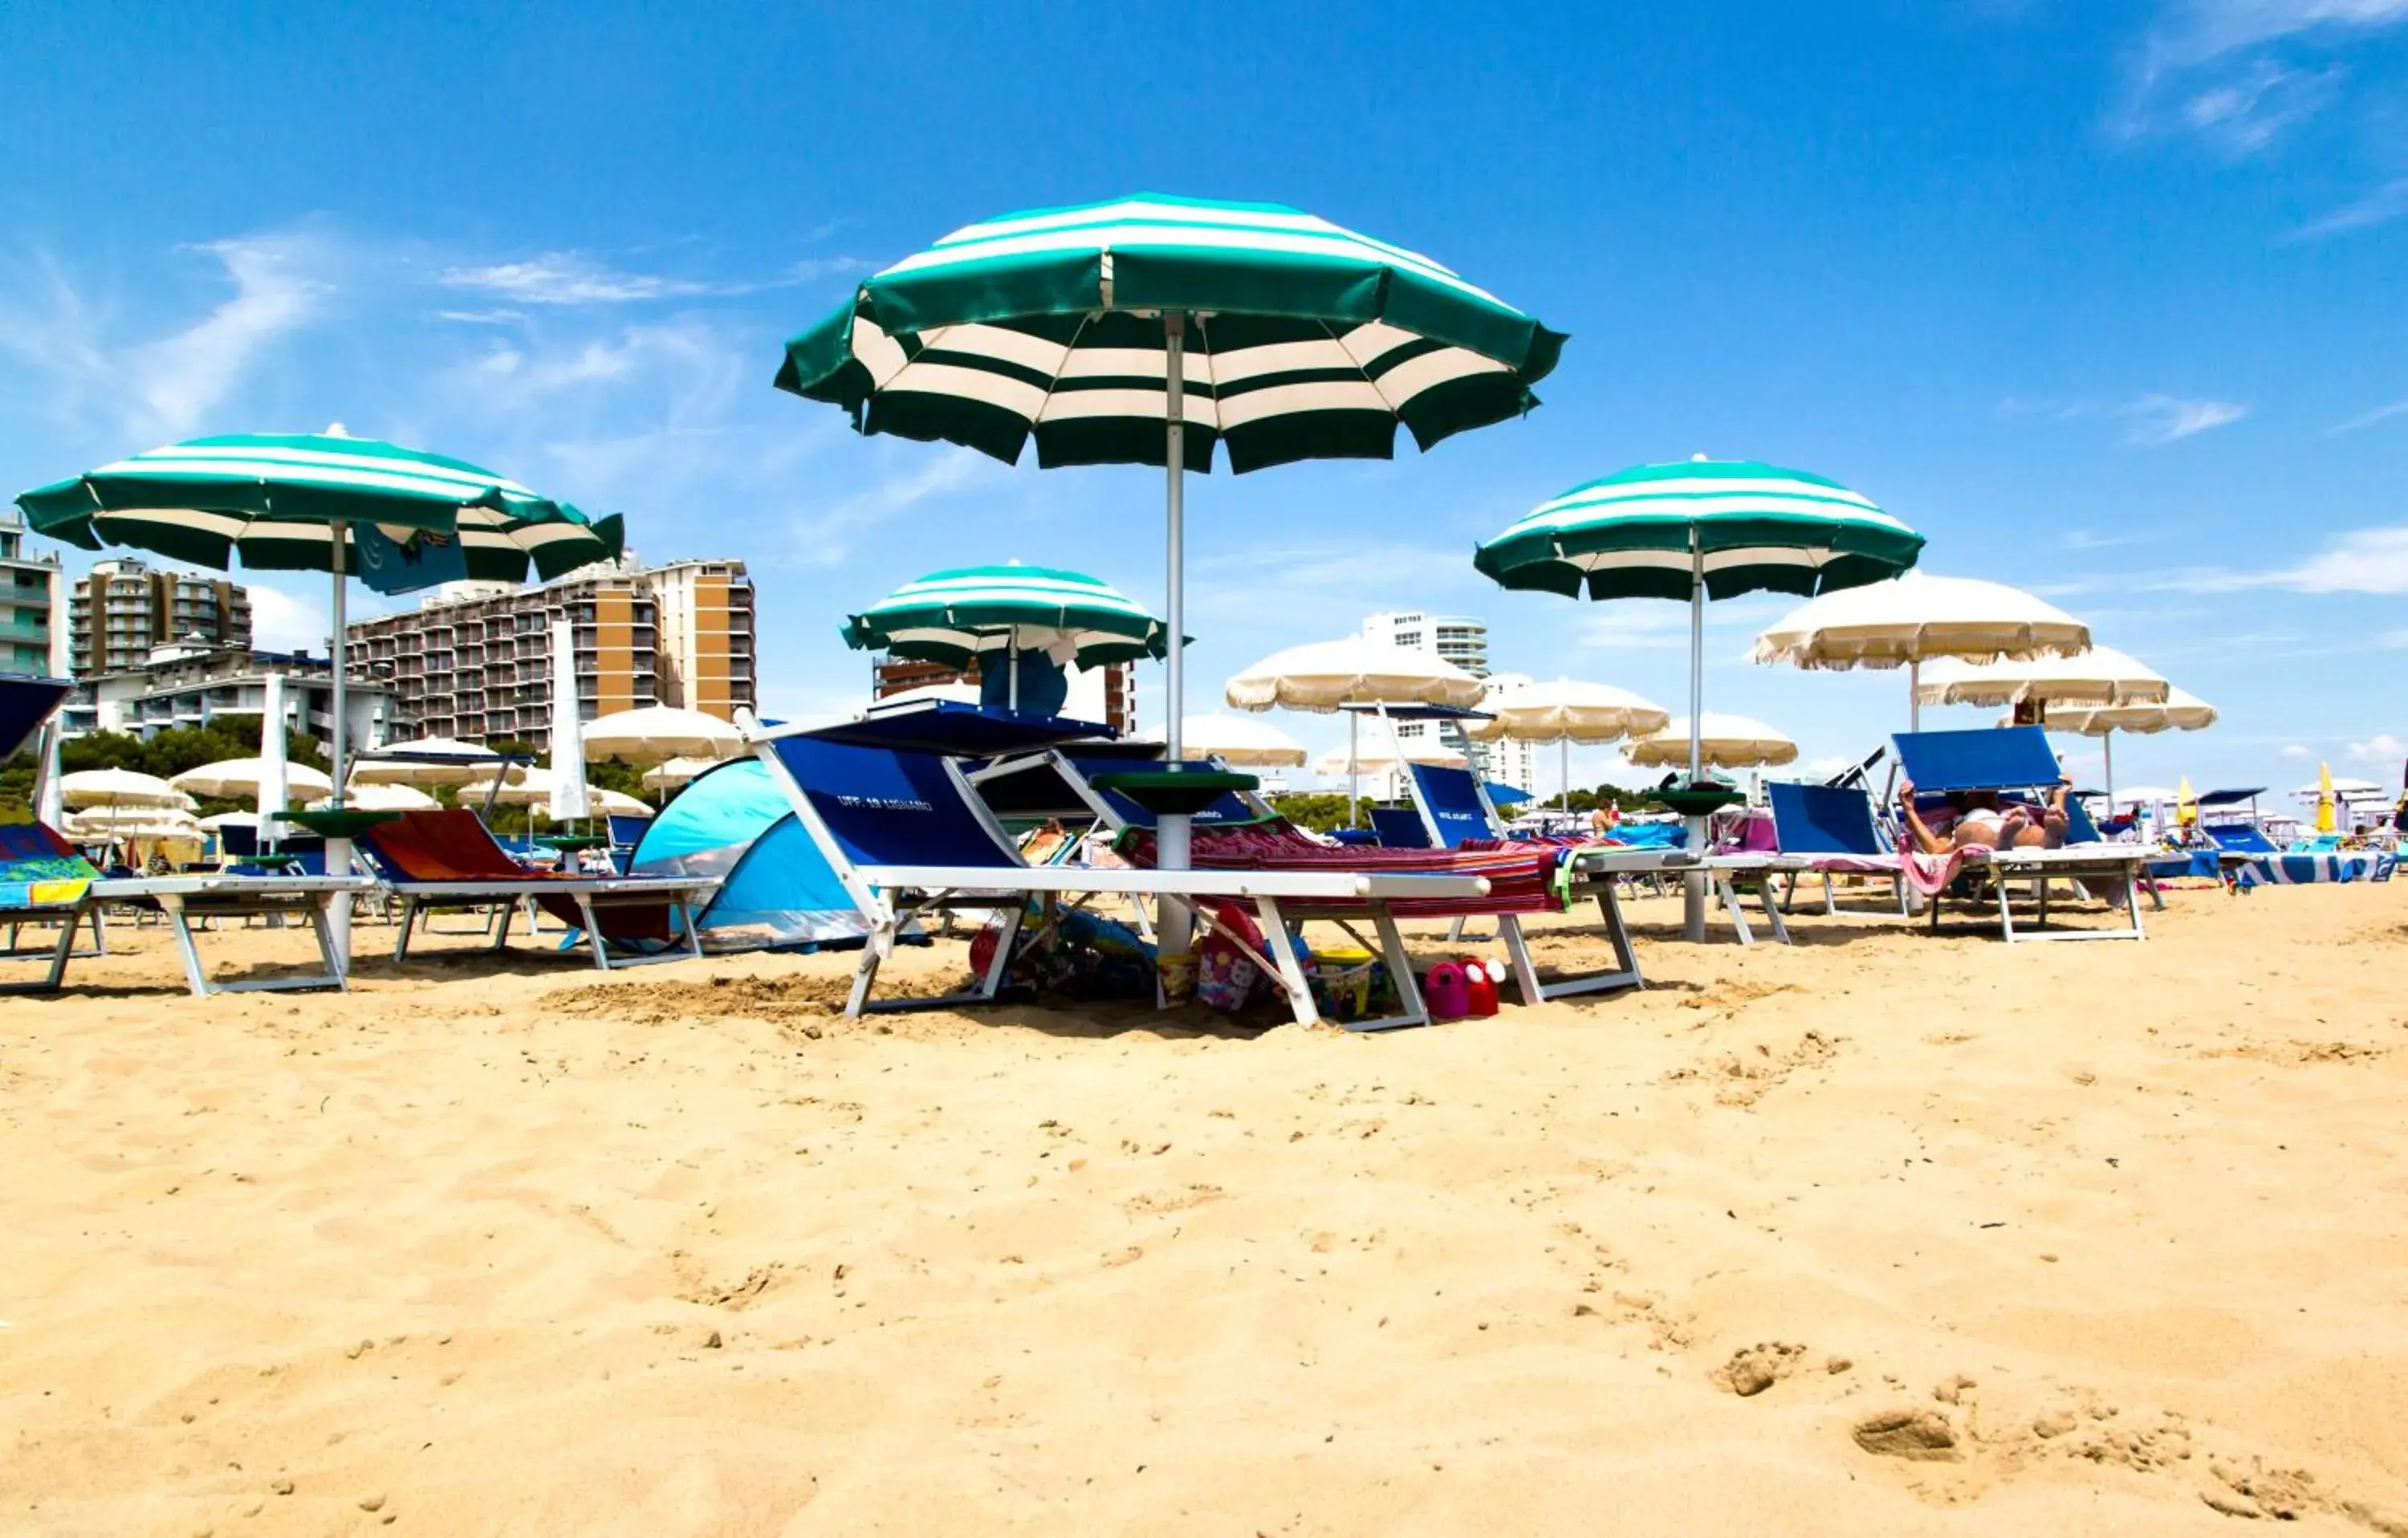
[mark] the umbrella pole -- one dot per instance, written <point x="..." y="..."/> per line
<point x="1011" y="660"/>
<point x="1352" y="720"/>
<point x="338" y="851"/>
<point x="1564" y="769"/>
<point x="1693" y="886"/>
<point x="1170" y="828"/>
<point x="1914" y="695"/>
<point x="2107" y="744"/>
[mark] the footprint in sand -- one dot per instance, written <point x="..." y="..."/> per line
<point x="1913" y="1432"/>
<point x="1753" y="1369"/>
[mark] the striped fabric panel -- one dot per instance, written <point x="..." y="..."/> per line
<point x="953" y="616"/>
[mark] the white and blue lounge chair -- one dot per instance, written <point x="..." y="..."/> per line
<point x="1454" y="808"/>
<point x="2009" y="759"/>
<point x="906" y="835"/>
<point x="1833" y="829"/>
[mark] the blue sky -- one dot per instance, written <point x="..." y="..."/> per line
<point x="2103" y="298"/>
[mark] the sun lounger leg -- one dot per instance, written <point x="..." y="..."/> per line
<point x="1517" y="955"/>
<point x="322" y="925"/>
<point x="1772" y="913"/>
<point x="1729" y="895"/>
<point x="173" y="907"/>
<point x="693" y="929"/>
<point x="1000" y="963"/>
<point x="503" y="913"/>
<point x="863" y="977"/>
<point x="1410" y="1009"/>
<point x="99" y="932"/>
<point x="1284" y="964"/>
<point x="2006" y="912"/>
<point x="2132" y="902"/>
<point x="1830" y="897"/>
<point x="408" y="920"/>
<point x="66" y="946"/>
<point x="594" y="932"/>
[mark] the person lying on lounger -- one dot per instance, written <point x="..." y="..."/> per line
<point x="1983" y="821"/>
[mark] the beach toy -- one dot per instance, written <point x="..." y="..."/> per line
<point x="1177" y="970"/>
<point x="1229" y="972"/>
<point x="1342" y="983"/>
<point x="1447" y="992"/>
<point x="1481" y="977"/>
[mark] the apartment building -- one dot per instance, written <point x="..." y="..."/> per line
<point x="181" y="685"/>
<point x="122" y="608"/>
<point x="29" y="592"/>
<point x="474" y="660"/>
<point x="1464" y="641"/>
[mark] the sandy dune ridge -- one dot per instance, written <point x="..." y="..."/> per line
<point x="1878" y="1232"/>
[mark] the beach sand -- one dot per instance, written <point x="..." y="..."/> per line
<point x="1881" y="1234"/>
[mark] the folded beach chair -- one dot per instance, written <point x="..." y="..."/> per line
<point x="906" y="835"/>
<point x="447" y="859"/>
<point x="2008" y="759"/>
<point x="43" y="879"/>
<point x="1522" y="877"/>
<point x="1456" y="813"/>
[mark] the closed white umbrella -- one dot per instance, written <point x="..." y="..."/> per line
<point x="1241" y="741"/>
<point x="1565" y="711"/>
<point x="428" y="761"/>
<point x="1917" y="619"/>
<point x="1724" y="741"/>
<point x="2100" y="675"/>
<point x="239" y="778"/>
<point x="570" y="800"/>
<point x="373" y="798"/>
<point x="658" y="733"/>
<point x="121" y="788"/>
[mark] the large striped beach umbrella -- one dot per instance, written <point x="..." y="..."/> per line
<point x="1699" y="529"/>
<point x="953" y="616"/>
<point x="322" y="502"/>
<point x="1150" y="330"/>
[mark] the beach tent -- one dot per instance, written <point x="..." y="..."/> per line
<point x="776" y="888"/>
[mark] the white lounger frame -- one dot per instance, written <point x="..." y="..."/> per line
<point x="685" y="897"/>
<point x="2043" y="866"/>
<point x="183" y="898"/>
<point x="891" y="896"/>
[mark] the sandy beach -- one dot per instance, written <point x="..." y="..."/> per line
<point x="1882" y="1233"/>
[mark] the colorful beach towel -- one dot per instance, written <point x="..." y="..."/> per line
<point x="38" y="869"/>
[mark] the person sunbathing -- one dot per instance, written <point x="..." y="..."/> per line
<point x="1982" y="821"/>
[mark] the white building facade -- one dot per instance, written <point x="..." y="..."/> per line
<point x="1463" y="640"/>
<point x="179" y="685"/>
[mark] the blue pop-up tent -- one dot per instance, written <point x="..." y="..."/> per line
<point x="776" y="889"/>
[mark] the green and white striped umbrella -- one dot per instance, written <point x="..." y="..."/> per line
<point x="1299" y="340"/>
<point x="1149" y="329"/>
<point x="953" y="616"/>
<point x="279" y="498"/>
<point x="1643" y="533"/>
<point x="1702" y="528"/>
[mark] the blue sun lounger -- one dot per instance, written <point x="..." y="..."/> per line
<point x="1833" y="828"/>
<point x="905" y="834"/>
<point x="2013" y="759"/>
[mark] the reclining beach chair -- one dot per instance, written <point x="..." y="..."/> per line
<point x="2261" y="862"/>
<point x="447" y="859"/>
<point x="1242" y="833"/>
<point x="906" y="835"/>
<point x="2008" y="759"/>
<point x="42" y="878"/>
<point x="1456" y="813"/>
<point x="1833" y="829"/>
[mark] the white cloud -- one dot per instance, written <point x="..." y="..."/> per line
<point x="169" y="385"/>
<point x="2366" y="560"/>
<point x="2293" y="750"/>
<point x="2368" y="419"/>
<point x="577" y="278"/>
<point x="2382" y="748"/>
<point x="282" y="623"/>
<point x="2082" y="539"/>
<point x="1636" y="625"/>
<point x="2378" y="206"/>
<point x="2157" y="420"/>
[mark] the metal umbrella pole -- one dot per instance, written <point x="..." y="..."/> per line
<point x="1171" y="827"/>
<point x="339" y="850"/>
<point x="1693" y="886"/>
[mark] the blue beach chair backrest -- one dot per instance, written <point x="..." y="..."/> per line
<point x="1400" y="828"/>
<point x="1227" y="808"/>
<point x="1985" y="758"/>
<point x="1451" y="798"/>
<point x="627" y="832"/>
<point x="2239" y="838"/>
<point x="889" y="805"/>
<point x="2079" y="828"/>
<point x="1824" y="820"/>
